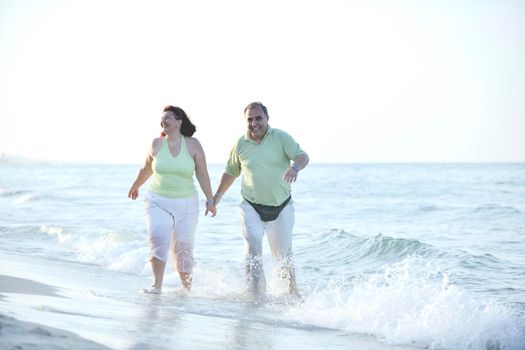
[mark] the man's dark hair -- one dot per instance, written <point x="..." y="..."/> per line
<point x="256" y="104"/>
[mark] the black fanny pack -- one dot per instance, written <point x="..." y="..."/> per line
<point x="268" y="212"/>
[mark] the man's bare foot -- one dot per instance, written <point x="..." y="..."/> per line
<point x="294" y="293"/>
<point x="254" y="298"/>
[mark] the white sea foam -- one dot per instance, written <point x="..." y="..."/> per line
<point x="412" y="302"/>
<point x="58" y="232"/>
<point x="218" y="281"/>
<point x="26" y="198"/>
<point x="109" y="250"/>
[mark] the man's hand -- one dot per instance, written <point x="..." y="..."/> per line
<point x="291" y="175"/>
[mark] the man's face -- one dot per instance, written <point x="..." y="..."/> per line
<point x="257" y="122"/>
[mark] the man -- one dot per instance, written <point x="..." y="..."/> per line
<point x="263" y="157"/>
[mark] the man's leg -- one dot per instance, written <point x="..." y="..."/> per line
<point x="280" y="240"/>
<point x="253" y="232"/>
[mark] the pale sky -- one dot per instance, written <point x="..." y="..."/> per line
<point x="351" y="81"/>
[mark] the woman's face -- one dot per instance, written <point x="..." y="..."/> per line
<point x="170" y="122"/>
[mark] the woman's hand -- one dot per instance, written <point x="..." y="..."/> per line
<point x="133" y="192"/>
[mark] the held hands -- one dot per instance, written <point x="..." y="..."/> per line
<point x="211" y="204"/>
<point x="211" y="208"/>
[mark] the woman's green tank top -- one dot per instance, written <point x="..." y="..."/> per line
<point x="173" y="176"/>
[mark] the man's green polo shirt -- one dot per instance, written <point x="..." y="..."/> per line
<point x="263" y="166"/>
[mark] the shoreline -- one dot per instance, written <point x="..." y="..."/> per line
<point x="21" y="335"/>
<point x="17" y="334"/>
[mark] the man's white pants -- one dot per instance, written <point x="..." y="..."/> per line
<point x="279" y="232"/>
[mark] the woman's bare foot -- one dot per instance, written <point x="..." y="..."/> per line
<point x="152" y="290"/>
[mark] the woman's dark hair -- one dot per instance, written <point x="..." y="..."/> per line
<point x="187" y="128"/>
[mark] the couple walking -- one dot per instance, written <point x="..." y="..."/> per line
<point x="263" y="158"/>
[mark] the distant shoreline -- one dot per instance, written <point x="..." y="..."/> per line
<point x="18" y="160"/>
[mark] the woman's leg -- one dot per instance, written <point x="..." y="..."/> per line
<point x="159" y="224"/>
<point x="186" y="279"/>
<point x="158" y="266"/>
<point x="186" y="219"/>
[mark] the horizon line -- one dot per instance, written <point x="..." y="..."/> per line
<point x="4" y="158"/>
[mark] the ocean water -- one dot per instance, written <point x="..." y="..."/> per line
<point x="423" y="255"/>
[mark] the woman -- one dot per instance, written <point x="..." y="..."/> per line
<point x="172" y="204"/>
